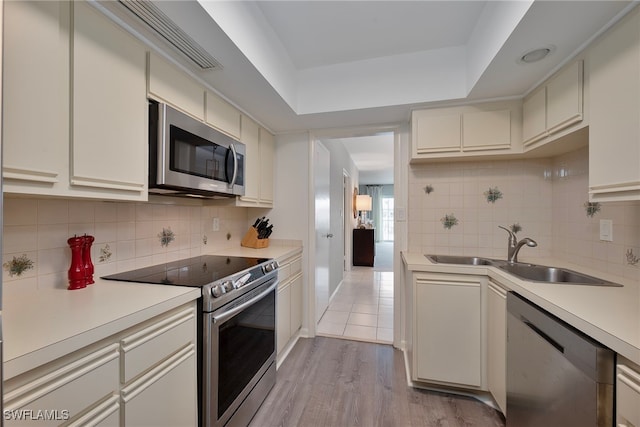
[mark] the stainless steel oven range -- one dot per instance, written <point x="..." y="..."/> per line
<point x="236" y="362"/>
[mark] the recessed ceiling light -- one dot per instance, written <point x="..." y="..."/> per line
<point x="535" y="55"/>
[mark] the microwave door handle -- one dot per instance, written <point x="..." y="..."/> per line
<point x="235" y="165"/>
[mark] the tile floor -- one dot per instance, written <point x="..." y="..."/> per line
<point x="362" y="308"/>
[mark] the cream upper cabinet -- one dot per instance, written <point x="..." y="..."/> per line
<point x="614" y="130"/>
<point x="467" y="131"/>
<point x="267" y="150"/>
<point x="448" y="330"/>
<point x="168" y="83"/>
<point x="486" y="130"/>
<point x="36" y="133"/>
<point x="435" y="133"/>
<point x="555" y="108"/>
<point x="258" y="172"/>
<point x="534" y="118"/>
<point x="222" y="115"/>
<point x="85" y="136"/>
<point x="497" y="343"/>
<point x="564" y="98"/>
<point x="250" y="137"/>
<point x="109" y="142"/>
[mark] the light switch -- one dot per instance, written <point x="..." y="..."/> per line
<point x="216" y="224"/>
<point x="401" y="214"/>
<point x="606" y="230"/>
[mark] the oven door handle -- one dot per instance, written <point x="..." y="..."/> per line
<point x="227" y="314"/>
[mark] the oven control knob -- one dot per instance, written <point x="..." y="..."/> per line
<point x="268" y="268"/>
<point x="227" y="285"/>
<point x="217" y="291"/>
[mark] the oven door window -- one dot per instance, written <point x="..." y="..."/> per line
<point x="246" y="341"/>
<point x="196" y="156"/>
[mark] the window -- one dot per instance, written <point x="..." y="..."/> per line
<point x="387" y="219"/>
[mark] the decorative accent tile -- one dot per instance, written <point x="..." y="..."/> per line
<point x="18" y="265"/>
<point x="515" y="228"/>
<point x="166" y="236"/>
<point x="428" y="189"/>
<point x="493" y="194"/>
<point x="632" y="259"/>
<point x="105" y="253"/>
<point x="448" y="221"/>
<point x="592" y="208"/>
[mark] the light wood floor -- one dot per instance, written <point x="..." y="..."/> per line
<point x="336" y="382"/>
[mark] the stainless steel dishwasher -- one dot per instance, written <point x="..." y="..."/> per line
<point x="556" y="375"/>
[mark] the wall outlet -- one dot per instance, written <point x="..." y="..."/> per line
<point x="215" y="226"/>
<point x="606" y="230"/>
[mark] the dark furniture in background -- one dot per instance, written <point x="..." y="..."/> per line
<point x="363" y="247"/>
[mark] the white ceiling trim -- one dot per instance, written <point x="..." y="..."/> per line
<point x="404" y="79"/>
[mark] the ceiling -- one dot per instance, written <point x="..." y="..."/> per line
<point x="305" y="65"/>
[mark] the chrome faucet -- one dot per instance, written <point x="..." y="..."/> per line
<point x="515" y="245"/>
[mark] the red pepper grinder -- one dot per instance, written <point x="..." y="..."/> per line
<point x="86" y="259"/>
<point x="76" y="271"/>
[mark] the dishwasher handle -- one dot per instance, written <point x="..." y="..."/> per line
<point x="542" y="335"/>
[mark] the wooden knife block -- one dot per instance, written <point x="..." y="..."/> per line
<point x="250" y="240"/>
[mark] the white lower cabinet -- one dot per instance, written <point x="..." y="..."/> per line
<point x="448" y="331"/>
<point x="497" y="343"/>
<point x="145" y="375"/>
<point x="627" y="393"/>
<point x="288" y="303"/>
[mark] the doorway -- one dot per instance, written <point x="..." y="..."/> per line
<point x="361" y="306"/>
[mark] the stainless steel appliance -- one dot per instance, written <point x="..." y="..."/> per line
<point x="189" y="158"/>
<point x="236" y="363"/>
<point x="556" y="375"/>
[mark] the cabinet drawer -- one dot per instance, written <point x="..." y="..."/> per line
<point x="173" y="381"/>
<point x="284" y="272"/>
<point x="296" y="266"/>
<point x="156" y="342"/>
<point x="628" y="394"/>
<point x="66" y="391"/>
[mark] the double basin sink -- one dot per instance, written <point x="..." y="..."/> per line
<point x="525" y="271"/>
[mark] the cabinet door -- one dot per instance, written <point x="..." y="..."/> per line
<point x="435" y="133"/>
<point x="250" y="136"/>
<point x="448" y="331"/>
<point x="283" y="316"/>
<point x="109" y="140"/>
<point x="35" y="123"/>
<point x="296" y="305"/>
<point x="534" y="121"/>
<point x="614" y="130"/>
<point x="166" y="395"/>
<point x="486" y="130"/>
<point x="627" y="395"/>
<point x="222" y="115"/>
<point x="497" y="344"/>
<point x="564" y="98"/>
<point x="170" y="84"/>
<point x="267" y="149"/>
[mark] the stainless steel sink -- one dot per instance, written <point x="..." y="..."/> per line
<point x="524" y="271"/>
<point x="464" y="260"/>
<point x="542" y="273"/>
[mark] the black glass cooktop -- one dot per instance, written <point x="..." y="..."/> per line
<point x="195" y="272"/>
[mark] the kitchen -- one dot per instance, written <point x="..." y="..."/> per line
<point x="38" y="225"/>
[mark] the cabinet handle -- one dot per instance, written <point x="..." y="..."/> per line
<point x="329" y="235"/>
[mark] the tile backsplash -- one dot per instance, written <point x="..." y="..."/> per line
<point x="127" y="236"/>
<point x="545" y="197"/>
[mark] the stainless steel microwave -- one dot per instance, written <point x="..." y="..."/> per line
<point x="189" y="158"/>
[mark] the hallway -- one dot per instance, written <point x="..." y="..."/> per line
<point x="362" y="308"/>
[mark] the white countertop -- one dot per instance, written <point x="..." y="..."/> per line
<point x="43" y="325"/>
<point x="610" y="315"/>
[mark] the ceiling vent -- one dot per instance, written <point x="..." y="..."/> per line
<point x="148" y="13"/>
